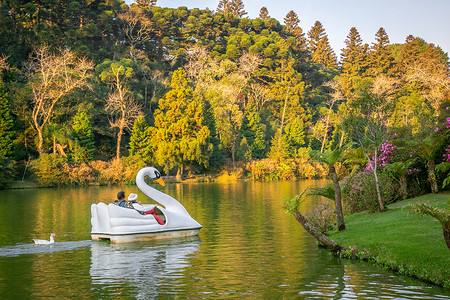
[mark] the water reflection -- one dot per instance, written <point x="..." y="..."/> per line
<point x="141" y="266"/>
<point x="249" y="248"/>
<point x="22" y="249"/>
<point x="360" y="280"/>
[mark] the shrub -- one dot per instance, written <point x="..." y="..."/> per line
<point x="78" y="174"/>
<point x="7" y="167"/>
<point x="98" y="168"/>
<point x="112" y="172"/>
<point x="360" y="194"/>
<point x="131" y="166"/>
<point x="48" y="169"/>
<point x="288" y="169"/>
<point x="322" y="216"/>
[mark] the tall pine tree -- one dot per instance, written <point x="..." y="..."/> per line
<point x="181" y="136"/>
<point x="381" y="59"/>
<point x="237" y="8"/>
<point x="264" y="13"/>
<point x="292" y="23"/>
<point x="83" y="137"/>
<point x="140" y="139"/>
<point x="354" y="55"/>
<point x="6" y="125"/>
<point x="252" y="131"/>
<point x="319" y="47"/>
<point x="354" y="63"/>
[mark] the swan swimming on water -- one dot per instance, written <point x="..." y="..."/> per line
<point x="45" y="242"/>
<point x="121" y="225"/>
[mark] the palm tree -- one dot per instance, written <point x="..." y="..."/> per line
<point x="330" y="158"/>
<point x="427" y="149"/>
<point x="443" y="216"/>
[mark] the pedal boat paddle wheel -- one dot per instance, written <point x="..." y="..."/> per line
<point x="122" y="225"/>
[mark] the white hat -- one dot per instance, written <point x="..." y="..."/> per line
<point x="132" y="197"/>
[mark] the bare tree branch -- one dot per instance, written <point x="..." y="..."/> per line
<point x="52" y="77"/>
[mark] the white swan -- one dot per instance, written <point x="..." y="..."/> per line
<point x="121" y="225"/>
<point x="45" y="242"/>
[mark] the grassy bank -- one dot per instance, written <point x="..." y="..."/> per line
<point x="411" y="244"/>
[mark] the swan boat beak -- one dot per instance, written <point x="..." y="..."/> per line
<point x="160" y="181"/>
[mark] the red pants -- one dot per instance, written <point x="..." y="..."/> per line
<point x="157" y="218"/>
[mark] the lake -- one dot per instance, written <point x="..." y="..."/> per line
<point x="248" y="248"/>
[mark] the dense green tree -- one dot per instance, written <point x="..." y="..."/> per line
<point x="410" y="50"/>
<point x="252" y="131"/>
<point x="6" y="125"/>
<point x="216" y="157"/>
<point x="279" y="147"/>
<point x="295" y="131"/>
<point x="83" y="138"/>
<point x="287" y="90"/>
<point x="181" y="136"/>
<point x="140" y="142"/>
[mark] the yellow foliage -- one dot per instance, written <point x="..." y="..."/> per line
<point x="289" y="169"/>
<point x="226" y="176"/>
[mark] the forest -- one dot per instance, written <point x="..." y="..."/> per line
<point x="93" y="90"/>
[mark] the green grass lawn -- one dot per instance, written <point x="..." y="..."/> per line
<point x="408" y="243"/>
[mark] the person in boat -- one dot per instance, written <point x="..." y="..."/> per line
<point x="132" y="200"/>
<point x="120" y="199"/>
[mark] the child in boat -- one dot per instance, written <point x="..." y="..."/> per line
<point x="142" y="209"/>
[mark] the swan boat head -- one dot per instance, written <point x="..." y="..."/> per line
<point x="174" y="211"/>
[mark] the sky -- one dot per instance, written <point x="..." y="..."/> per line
<point x="428" y="19"/>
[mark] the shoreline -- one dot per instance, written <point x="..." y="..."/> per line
<point x="408" y="244"/>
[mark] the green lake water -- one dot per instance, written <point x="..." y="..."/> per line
<point x="249" y="248"/>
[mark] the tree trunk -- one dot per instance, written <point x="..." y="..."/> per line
<point x="119" y="139"/>
<point x="432" y="176"/>
<point x="234" y="137"/>
<point x="341" y="140"/>
<point x="40" y="144"/>
<point x="337" y="199"/>
<point x="403" y="188"/>
<point x="377" y="183"/>
<point x="447" y="237"/>
<point x="377" y="187"/>
<point x="322" y="238"/>
<point x="180" y="173"/>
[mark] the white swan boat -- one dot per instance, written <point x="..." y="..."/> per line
<point x="122" y="225"/>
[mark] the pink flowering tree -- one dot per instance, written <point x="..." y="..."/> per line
<point x="369" y="123"/>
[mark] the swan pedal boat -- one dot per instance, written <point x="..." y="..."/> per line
<point x="123" y="225"/>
